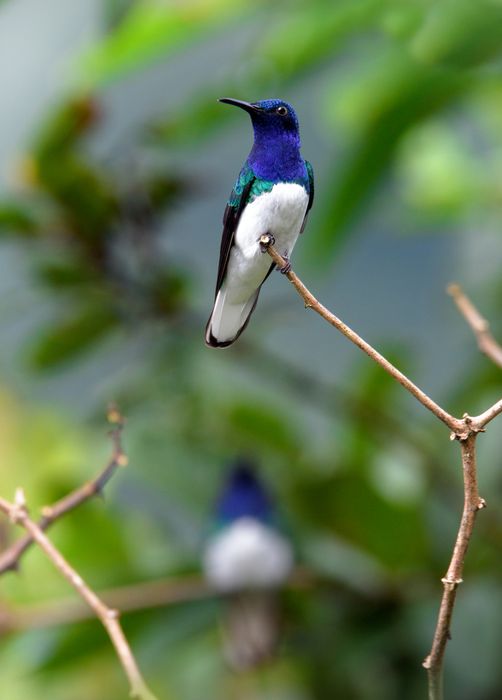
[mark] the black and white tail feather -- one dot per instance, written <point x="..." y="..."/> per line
<point x="227" y="321"/>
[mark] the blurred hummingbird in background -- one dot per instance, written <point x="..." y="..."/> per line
<point x="272" y="195"/>
<point x="247" y="559"/>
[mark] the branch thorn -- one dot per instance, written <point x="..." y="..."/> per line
<point x="18" y="510"/>
<point x="122" y="460"/>
<point x="451" y="582"/>
<point x="114" y="416"/>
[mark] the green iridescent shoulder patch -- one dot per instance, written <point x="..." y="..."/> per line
<point x="310" y="173"/>
<point x="258" y="187"/>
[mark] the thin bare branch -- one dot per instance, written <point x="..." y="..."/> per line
<point x="465" y="430"/>
<point x="484" y="418"/>
<point x="9" y="559"/>
<point x="453" y="578"/>
<point x="132" y="598"/>
<point x="480" y="326"/>
<point x="139" y="596"/>
<point x="109" y="617"/>
<point x="456" y="425"/>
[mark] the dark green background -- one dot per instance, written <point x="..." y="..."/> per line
<point x="115" y="165"/>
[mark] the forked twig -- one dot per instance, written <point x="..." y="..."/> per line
<point x="18" y="514"/>
<point x="9" y="558"/>
<point x="460" y="427"/>
<point x="464" y="429"/>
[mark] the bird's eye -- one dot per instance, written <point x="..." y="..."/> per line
<point x="281" y="110"/>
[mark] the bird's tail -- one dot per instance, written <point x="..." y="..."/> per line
<point x="228" y="320"/>
<point x="251" y="629"/>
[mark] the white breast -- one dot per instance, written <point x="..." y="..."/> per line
<point x="279" y="212"/>
<point x="247" y="554"/>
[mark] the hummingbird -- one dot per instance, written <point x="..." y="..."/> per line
<point x="272" y="195"/>
<point x="247" y="559"/>
<point x="247" y="550"/>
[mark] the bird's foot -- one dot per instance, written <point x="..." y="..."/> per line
<point x="266" y="241"/>
<point x="287" y="265"/>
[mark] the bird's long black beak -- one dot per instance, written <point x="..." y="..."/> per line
<point x="247" y="106"/>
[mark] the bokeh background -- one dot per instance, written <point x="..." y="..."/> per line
<point x="115" y="165"/>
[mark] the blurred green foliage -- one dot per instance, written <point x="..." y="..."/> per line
<point x="86" y="222"/>
<point x="369" y="490"/>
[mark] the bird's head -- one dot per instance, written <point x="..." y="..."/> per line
<point x="271" y="118"/>
<point x="244" y="495"/>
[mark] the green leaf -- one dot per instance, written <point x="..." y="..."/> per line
<point x="289" y="47"/>
<point x="65" y="126"/>
<point x="413" y="94"/>
<point x="170" y="291"/>
<point x="437" y="172"/>
<point x="349" y="506"/>
<point x="460" y="33"/>
<point x="341" y="561"/>
<point x="259" y="424"/>
<point x="163" y="189"/>
<point x="63" y="275"/>
<point x="72" y="337"/>
<point x="151" y="29"/>
<point x="17" y="219"/>
<point x="86" y="200"/>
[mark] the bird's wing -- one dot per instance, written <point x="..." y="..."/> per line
<point x="310" y="173"/>
<point x="233" y="211"/>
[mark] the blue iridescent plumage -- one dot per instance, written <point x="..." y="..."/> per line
<point x="273" y="194"/>
<point x="243" y="496"/>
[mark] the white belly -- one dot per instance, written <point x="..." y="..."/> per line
<point x="279" y="212"/>
<point x="247" y="554"/>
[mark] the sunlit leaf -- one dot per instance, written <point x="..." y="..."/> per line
<point x="460" y="33"/>
<point x="152" y="28"/>
<point x="418" y="92"/>
<point x="436" y="172"/>
<point x="286" y="50"/>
